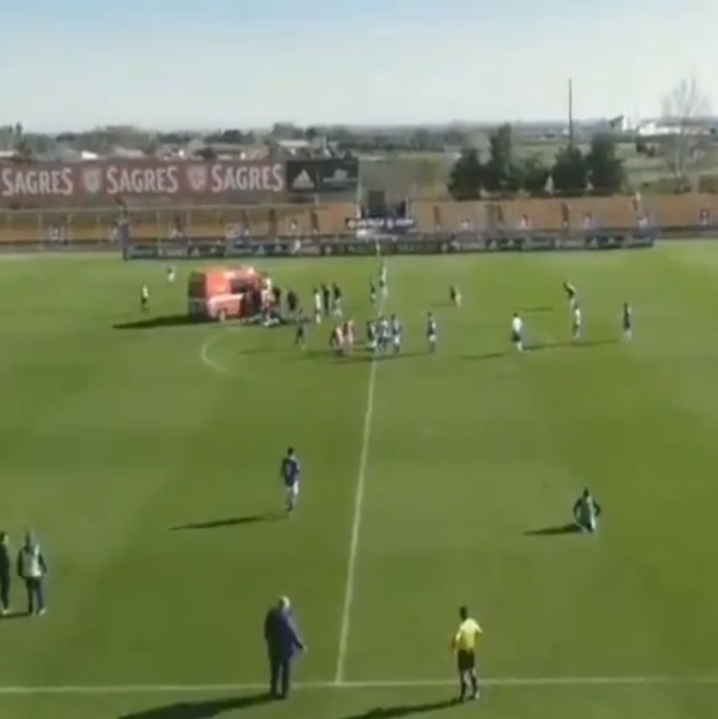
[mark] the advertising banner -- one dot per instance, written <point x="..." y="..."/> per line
<point x="105" y="182"/>
<point x="342" y="247"/>
<point x="322" y="176"/>
<point x="397" y="225"/>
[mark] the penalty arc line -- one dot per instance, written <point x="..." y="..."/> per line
<point x="204" y="355"/>
<point x="356" y="522"/>
<point x="516" y="682"/>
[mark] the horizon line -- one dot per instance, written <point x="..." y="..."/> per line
<point x="449" y="124"/>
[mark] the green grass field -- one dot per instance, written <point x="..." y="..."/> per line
<point x="146" y="459"/>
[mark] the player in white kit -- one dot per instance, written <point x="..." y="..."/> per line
<point x="371" y="336"/>
<point x="383" y="279"/>
<point x="317" y="297"/>
<point x="432" y="332"/>
<point x="455" y="296"/>
<point x="170" y="274"/>
<point x="383" y="334"/>
<point x="576" y="324"/>
<point x="396" y="334"/>
<point x="571" y="294"/>
<point x="145" y="298"/>
<point x="517" y="332"/>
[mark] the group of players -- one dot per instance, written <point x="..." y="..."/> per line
<point x="385" y="334"/>
<point x="382" y="334"/>
<point x="517" y="323"/>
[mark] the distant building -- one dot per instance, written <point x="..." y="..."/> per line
<point x="126" y="153"/>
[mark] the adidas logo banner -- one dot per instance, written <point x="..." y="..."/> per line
<point x="323" y="175"/>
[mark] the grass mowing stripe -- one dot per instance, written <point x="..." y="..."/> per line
<point x="519" y="682"/>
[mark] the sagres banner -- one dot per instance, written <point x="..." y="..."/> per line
<point x="105" y="181"/>
<point x="325" y="175"/>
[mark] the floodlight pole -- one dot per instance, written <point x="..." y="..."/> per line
<point x="570" y="113"/>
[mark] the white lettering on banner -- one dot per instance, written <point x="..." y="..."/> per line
<point x="35" y="182"/>
<point x="160" y="180"/>
<point x="247" y="178"/>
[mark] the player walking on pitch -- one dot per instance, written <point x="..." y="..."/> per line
<point x="517" y="332"/>
<point x="317" y="299"/>
<point x="145" y="298"/>
<point x="576" y="323"/>
<point x="289" y="471"/>
<point x="586" y="512"/>
<point x="431" y="332"/>
<point x="455" y="296"/>
<point x="571" y="293"/>
<point x="627" y="321"/>
<point x="383" y="281"/>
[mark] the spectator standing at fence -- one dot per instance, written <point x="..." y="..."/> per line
<point x="32" y="569"/>
<point x="5" y="574"/>
<point x="283" y="645"/>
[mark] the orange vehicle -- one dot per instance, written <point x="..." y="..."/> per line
<point x="220" y="293"/>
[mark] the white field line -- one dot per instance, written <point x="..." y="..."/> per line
<point x="356" y="523"/>
<point x="206" y="357"/>
<point x="517" y="682"/>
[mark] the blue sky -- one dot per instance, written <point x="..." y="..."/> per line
<point x="72" y="64"/>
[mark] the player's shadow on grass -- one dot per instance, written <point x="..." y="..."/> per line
<point x="403" y="710"/>
<point x="554" y="531"/>
<point x="366" y="356"/>
<point x="479" y="356"/>
<point x="574" y="345"/>
<point x="200" y="710"/>
<point x="230" y="522"/>
<point x="537" y="310"/>
<point x="261" y="350"/>
<point x="150" y="323"/>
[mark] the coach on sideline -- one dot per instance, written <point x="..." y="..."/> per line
<point x="283" y="644"/>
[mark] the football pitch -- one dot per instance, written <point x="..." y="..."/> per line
<point x="145" y="452"/>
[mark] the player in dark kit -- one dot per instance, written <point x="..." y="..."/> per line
<point x="627" y="321"/>
<point x="289" y="471"/>
<point x="372" y="291"/>
<point x="336" y="300"/>
<point x="326" y="300"/>
<point x="277" y="292"/>
<point x="300" y="338"/>
<point x="292" y="303"/>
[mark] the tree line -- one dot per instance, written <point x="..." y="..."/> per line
<point x="502" y="172"/>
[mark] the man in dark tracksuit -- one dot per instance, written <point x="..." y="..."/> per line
<point x="283" y="644"/>
<point x="5" y="569"/>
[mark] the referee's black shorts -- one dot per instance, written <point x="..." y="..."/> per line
<point x="465" y="660"/>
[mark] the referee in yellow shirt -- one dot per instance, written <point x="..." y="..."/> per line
<point x="464" y="644"/>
